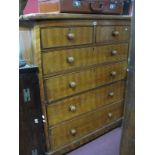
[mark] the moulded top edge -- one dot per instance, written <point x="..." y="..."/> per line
<point x="48" y="16"/>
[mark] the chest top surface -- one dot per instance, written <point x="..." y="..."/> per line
<point x="47" y="16"/>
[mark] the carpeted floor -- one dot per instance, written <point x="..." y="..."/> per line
<point x="107" y="144"/>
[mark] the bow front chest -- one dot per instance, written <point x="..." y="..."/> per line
<point x="82" y="62"/>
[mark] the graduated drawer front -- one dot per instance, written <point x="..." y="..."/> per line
<point x="65" y="36"/>
<point x="80" y="126"/>
<point x="112" y="33"/>
<point x="69" y="59"/>
<point x="85" y="102"/>
<point x="68" y="84"/>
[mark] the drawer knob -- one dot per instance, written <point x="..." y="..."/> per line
<point x="113" y="73"/>
<point x="110" y="115"/>
<point x="70" y="36"/>
<point x="111" y="94"/>
<point x="115" y="33"/>
<point x="73" y="132"/>
<point x="70" y="59"/>
<point x="72" y="108"/>
<point x="72" y="84"/>
<point x="113" y="52"/>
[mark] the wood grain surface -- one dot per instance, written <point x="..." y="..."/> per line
<point x="74" y="106"/>
<point x="56" y="37"/>
<point x="60" y="86"/>
<point x="85" y="124"/>
<point x="57" y="61"/>
<point x="72" y="90"/>
<point x="85" y="139"/>
<point x="26" y="45"/>
<point x="127" y="146"/>
<point x="108" y="36"/>
<point x="52" y="16"/>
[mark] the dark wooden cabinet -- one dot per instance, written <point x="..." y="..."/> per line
<point x="30" y="116"/>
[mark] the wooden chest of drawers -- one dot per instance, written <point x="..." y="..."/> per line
<point x="82" y="61"/>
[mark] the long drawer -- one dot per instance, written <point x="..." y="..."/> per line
<point x="73" y="58"/>
<point x="108" y="34"/>
<point x="68" y="84"/>
<point x="74" y="106"/>
<point x="80" y="126"/>
<point x="65" y="36"/>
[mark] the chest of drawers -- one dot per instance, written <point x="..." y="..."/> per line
<point x="82" y="62"/>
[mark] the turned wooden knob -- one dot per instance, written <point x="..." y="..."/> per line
<point x="70" y="59"/>
<point x="72" y="84"/>
<point x="70" y="36"/>
<point x="113" y="52"/>
<point x="115" y="33"/>
<point x="72" y="108"/>
<point x="73" y="132"/>
<point x="110" y="115"/>
<point x="113" y="73"/>
<point x="111" y="94"/>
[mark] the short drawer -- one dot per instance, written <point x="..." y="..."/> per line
<point x="71" y="130"/>
<point x="57" y="61"/>
<point x="68" y="84"/>
<point x="65" y="36"/>
<point x="74" y="106"/>
<point x="112" y="33"/>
